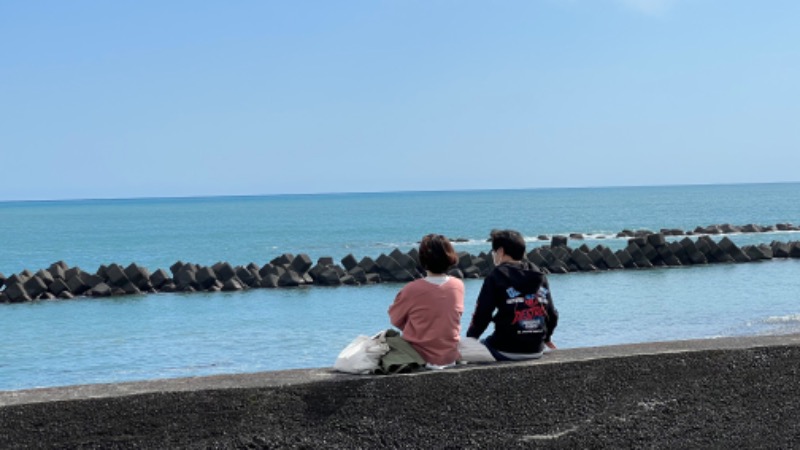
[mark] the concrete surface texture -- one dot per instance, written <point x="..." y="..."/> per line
<point x="721" y="393"/>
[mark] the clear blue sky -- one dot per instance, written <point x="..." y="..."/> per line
<point x="108" y="99"/>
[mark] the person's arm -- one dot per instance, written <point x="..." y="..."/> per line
<point x="552" y="315"/>
<point x="398" y="311"/>
<point x="484" y="307"/>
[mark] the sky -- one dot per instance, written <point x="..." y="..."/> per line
<point x="121" y="99"/>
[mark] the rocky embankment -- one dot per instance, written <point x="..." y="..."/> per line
<point x="644" y="250"/>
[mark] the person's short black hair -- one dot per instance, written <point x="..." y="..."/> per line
<point x="512" y="243"/>
<point x="436" y="253"/>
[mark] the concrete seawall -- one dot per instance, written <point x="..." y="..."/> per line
<point x="742" y="392"/>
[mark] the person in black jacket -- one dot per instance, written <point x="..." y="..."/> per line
<point x="516" y="297"/>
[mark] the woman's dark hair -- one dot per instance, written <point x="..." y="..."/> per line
<point x="436" y="254"/>
<point x="512" y="243"/>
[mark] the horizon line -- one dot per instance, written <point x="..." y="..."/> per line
<point x="402" y="191"/>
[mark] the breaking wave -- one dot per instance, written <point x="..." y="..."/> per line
<point x="783" y="320"/>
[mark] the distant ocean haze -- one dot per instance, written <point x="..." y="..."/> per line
<point x="169" y="335"/>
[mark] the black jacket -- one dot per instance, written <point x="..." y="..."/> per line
<point x="516" y="297"/>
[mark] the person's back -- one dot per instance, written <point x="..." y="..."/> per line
<point x="428" y="311"/>
<point x="525" y="315"/>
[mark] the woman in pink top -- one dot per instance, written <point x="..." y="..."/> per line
<point x="428" y="310"/>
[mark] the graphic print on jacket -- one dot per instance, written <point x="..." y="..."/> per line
<point x="530" y="315"/>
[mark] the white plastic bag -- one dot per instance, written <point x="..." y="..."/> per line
<point x="472" y="350"/>
<point x="362" y="355"/>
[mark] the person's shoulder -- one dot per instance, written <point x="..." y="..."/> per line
<point x="456" y="282"/>
<point x="504" y="270"/>
<point x="529" y="266"/>
<point x="419" y="283"/>
<point x="411" y="286"/>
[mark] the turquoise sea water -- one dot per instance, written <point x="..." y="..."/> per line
<point x="167" y="335"/>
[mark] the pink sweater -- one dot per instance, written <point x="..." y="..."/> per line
<point x="430" y="317"/>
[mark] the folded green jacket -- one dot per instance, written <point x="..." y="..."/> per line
<point x="401" y="358"/>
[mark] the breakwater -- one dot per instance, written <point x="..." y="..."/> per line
<point x="645" y="249"/>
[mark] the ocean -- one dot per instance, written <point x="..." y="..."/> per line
<point x="56" y="343"/>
